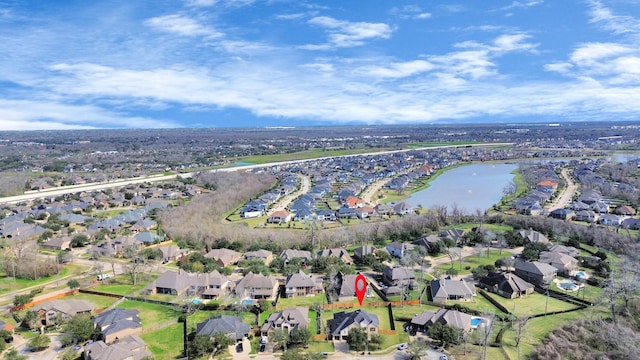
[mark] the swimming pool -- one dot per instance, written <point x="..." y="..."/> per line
<point x="247" y="302"/>
<point x="476" y="321"/>
<point x="568" y="285"/>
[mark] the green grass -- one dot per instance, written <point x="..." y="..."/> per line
<point x="434" y="144"/>
<point x="409" y="311"/>
<point x="101" y="302"/>
<point x="473" y="261"/>
<point x="165" y="343"/>
<point x="320" y="346"/>
<point x="482" y="305"/>
<point x="308" y="154"/>
<point x="532" y="304"/>
<point x="151" y="314"/>
<point x="122" y="285"/>
<point x="8" y="283"/>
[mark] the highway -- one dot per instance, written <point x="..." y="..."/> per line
<point x="62" y="190"/>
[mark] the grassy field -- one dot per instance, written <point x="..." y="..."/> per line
<point x="306" y="301"/>
<point x="8" y="283"/>
<point x="122" y="285"/>
<point x="165" y="343"/>
<point x="483" y="305"/>
<point x="473" y="261"/>
<point x="308" y="154"/>
<point x="151" y="314"/>
<point x="531" y="304"/>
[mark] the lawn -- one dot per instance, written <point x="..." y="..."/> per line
<point x="473" y="261"/>
<point x="101" y="302"/>
<point x="8" y="283"/>
<point x="532" y="304"/>
<point x="482" y="305"/>
<point x="165" y="343"/>
<point x="409" y="311"/>
<point x="151" y="314"/>
<point x="587" y="292"/>
<point x="122" y="285"/>
<point x="308" y="154"/>
<point x="306" y="301"/>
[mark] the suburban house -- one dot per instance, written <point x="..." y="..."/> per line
<point x="301" y="284"/>
<point x="562" y="214"/>
<point x="507" y="285"/>
<point x="115" y="324"/>
<point x="289" y="254"/>
<point x="257" y="286"/>
<point x="565" y="264"/>
<point x="343" y="321"/>
<point x="279" y="217"/>
<point x="232" y="326"/>
<point x="454" y="234"/>
<point x="343" y="287"/>
<point x="398" y="249"/>
<point x="56" y="312"/>
<point x="289" y="319"/>
<point x="338" y="253"/>
<point x="532" y="236"/>
<point x="536" y="272"/>
<point x="265" y="256"/>
<point x="130" y="347"/>
<point x="224" y="257"/>
<point x="58" y="243"/>
<point x="625" y="210"/>
<point x="399" y="276"/>
<point x="207" y="285"/>
<point x="445" y="290"/>
<point x="171" y="253"/>
<point x="585" y="215"/>
<point x="424" y="321"/>
<point x="561" y="249"/>
<point x="360" y="252"/>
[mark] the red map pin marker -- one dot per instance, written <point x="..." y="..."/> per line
<point x="361" y="287"/>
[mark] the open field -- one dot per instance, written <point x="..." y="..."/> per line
<point x="309" y="154"/>
<point x="473" y="261"/>
<point x="8" y="283"/>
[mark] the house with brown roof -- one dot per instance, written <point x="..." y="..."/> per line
<point x="565" y="264"/>
<point x="224" y="257"/>
<point x="58" y="243"/>
<point x="342" y="287"/>
<point x="337" y="253"/>
<point x="625" y="210"/>
<point x="301" y="284"/>
<point x="265" y="256"/>
<point x="399" y="276"/>
<point x="508" y="285"/>
<point x="353" y="202"/>
<point x="207" y="285"/>
<point x="56" y="312"/>
<point x="454" y="318"/>
<point x="289" y="254"/>
<point x="288" y="319"/>
<point x="279" y="217"/>
<point x="131" y="347"/>
<point x="257" y="286"/>
<point x="531" y="236"/>
<point x="171" y="253"/>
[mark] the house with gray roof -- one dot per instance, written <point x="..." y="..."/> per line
<point x="288" y="254"/>
<point x="565" y="264"/>
<point x="343" y="321"/>
<point x="257" y="286"/>
<point x="531" y="236"/>
<point x="52" y="311"/>
<point x="535" y="272"/>
<point x="265" y="256"/>
<point x="232" y="326"/>
<point x="338" y="253"/>
<point x="288" y="319"/>
<point x="117" y="324"/>
<point x="131" y="347"/>
<point x="342" y="287"/>
<point x="301" y="284"/>
<point x="445" y="290"/>
<point x="454" y="318"/>
<point x="399" y="276"/>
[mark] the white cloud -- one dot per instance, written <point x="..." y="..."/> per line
<point x="562" y="68"/>
<point x="589" y="53"/>
<point x="522" y="4"/>
<point x="619" y="24"/>
<point x="399" y="69"/>
<point x="201" y="3"/>
<point x="349" y="34"/>
<point x="43" y="114"/>
<point x="410" y="12"/>
<point x="181" y="25"/>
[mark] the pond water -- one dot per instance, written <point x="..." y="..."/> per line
<point x="469" y="188"/>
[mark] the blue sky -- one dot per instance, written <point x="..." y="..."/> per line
<point x="218" y="63"/>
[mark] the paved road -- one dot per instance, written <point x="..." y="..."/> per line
<point x="567" y="194"/>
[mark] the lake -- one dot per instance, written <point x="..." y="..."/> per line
<point x="468" y="187"/>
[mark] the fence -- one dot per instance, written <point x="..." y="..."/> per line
<point x="43" y="299"/>
<point x="373" y="304"/>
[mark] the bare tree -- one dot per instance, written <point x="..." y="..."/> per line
<point x="519" y="325"/>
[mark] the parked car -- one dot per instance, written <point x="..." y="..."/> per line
<point x="239" y="348"/>
<point x="262" y="347"/>
<point x="443" y="357"/>
<point x="403" y="346"/>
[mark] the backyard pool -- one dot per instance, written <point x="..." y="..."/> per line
<point x="247" y="302"/>
<point x="568" y="286"/>
<point x="476" y="321"/>
<point x="582" y="275"/>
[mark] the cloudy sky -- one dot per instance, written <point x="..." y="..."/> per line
<point x="219" y="63"/>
